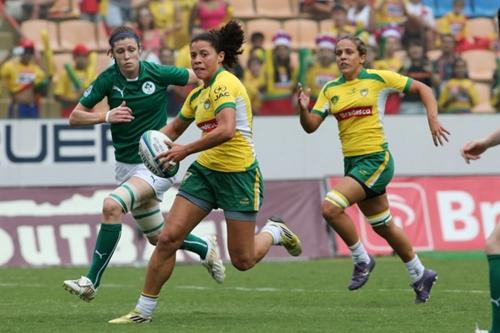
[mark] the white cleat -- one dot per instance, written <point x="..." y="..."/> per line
<point x="289" y="240"/>
<point x="83" y="288"/>
<point x="477" y="330"/>
<point x="213" y="263"/>
<point x="133" y="317"/>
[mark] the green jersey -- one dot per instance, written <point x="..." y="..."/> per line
<point x="145" y="96"/>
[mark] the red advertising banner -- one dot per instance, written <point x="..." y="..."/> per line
<point x="58" y="225"/>
<point x="437" y="213"/>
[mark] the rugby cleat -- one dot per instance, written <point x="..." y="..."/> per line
<point x="423" y="286"/>
<point x="361" y="274"/>
<point x="289" y="240"/>
<point x="212" y="262"/>
<point x="83" y="288"/>
<point x="133" y="317"/>
<point x="477" y="330"/>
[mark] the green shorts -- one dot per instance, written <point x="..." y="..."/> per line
<point x="230" y="191"/>
<point x="372" y="171"/>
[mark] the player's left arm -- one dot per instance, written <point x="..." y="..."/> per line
<point x="225" y="130"/>
<point x="439" y="133"/>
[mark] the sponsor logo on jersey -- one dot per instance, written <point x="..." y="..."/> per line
<point x="208" y="125"/>
<point x="119" y="90"/>
<point x="220" y="91"/>
<point x="148" y="87"/>
<point x="362" y="111"/>
<point x="87" y="92"/>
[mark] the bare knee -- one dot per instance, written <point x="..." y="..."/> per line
<point x="330" y="211"/>
<point x="242" y="263"/>
<point x="111" y="210"/>
<point x="166" y="244"/>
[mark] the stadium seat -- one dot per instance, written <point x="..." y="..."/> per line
<point x="274" y="8"/>
<point x="62" y="58"/>
<point x="73" y="32"/>
<point x="64" y="9"/>
<point x="326" y="26"/>
<point x="480" y="27"/>
<point x="244" y="9"/>
<point x="267" y="26"/>
<point x="103" y="62"/>
<point x="481" y="64"/>
<point x="302" y="31"/>
<point x="484" y="91"/>
<point x="445" y="6"/>
<point x="102" y="37"/>
<point x="32" y="28"/>
<point x="486" y="7"/>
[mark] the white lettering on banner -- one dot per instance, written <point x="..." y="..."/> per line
<point x="76" y="234"/>
<point x="7" y="247"/>
<point x="490" y="212"/>
<point x="126" y="251"/>
<point x="40" y="249"/>
<point x="456" y="210"/>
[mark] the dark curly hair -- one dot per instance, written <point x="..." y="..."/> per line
<point x="228" y="39"/>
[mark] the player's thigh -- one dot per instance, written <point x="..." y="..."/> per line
<point x="183" y="216"/>
<point x="240" y="239"/>
<point x="346" y="192"/>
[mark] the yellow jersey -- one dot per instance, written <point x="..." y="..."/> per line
<point x="359" y="106"/>
<point x="453" y="23"/>
<point x="65" y="87"/>
<point x="458" y="95"/>
<point x="18" y="76"/>
<point x="202" y="105"/>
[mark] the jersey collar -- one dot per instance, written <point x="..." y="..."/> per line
<point x="217" y="72"/>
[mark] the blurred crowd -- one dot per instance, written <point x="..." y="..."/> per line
<point x="458" y="59"/>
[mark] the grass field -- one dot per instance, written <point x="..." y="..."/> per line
<point x="305" y="296"/>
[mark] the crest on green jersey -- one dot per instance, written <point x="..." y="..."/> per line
<point x="148" y="87"/>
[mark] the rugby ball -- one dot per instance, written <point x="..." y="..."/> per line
<point x="151" y="144"/>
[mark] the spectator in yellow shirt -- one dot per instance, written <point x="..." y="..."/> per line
<point x="25" y="82"/>
<point x="324" y="69"/>
<point x="458" y="95"/>
<point x="72" y="81"/>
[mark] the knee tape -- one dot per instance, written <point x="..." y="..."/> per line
<point x="337" y="198"/>
<point x="149" y="220"/>
<point x="126" y="196"/>
<point x="380" y="219"/>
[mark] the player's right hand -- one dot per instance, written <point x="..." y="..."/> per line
<point x="303" y="97"/>
<point x="120" y="114"/>
<point x="472" y="150"/>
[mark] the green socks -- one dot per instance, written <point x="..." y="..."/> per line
<point x="195" y="244"/>
<point x="494" y="265"/>
<point x="107" y="239"/>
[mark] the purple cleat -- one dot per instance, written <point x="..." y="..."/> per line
<point x="423" y="286"/>
<point x="361" y="274"/>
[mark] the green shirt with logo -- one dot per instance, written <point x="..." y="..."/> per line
<point x="145" y="96"/>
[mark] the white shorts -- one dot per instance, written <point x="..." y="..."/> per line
<point x="125" y="171"/>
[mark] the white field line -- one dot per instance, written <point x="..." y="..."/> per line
<point x="260" y="289"/>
